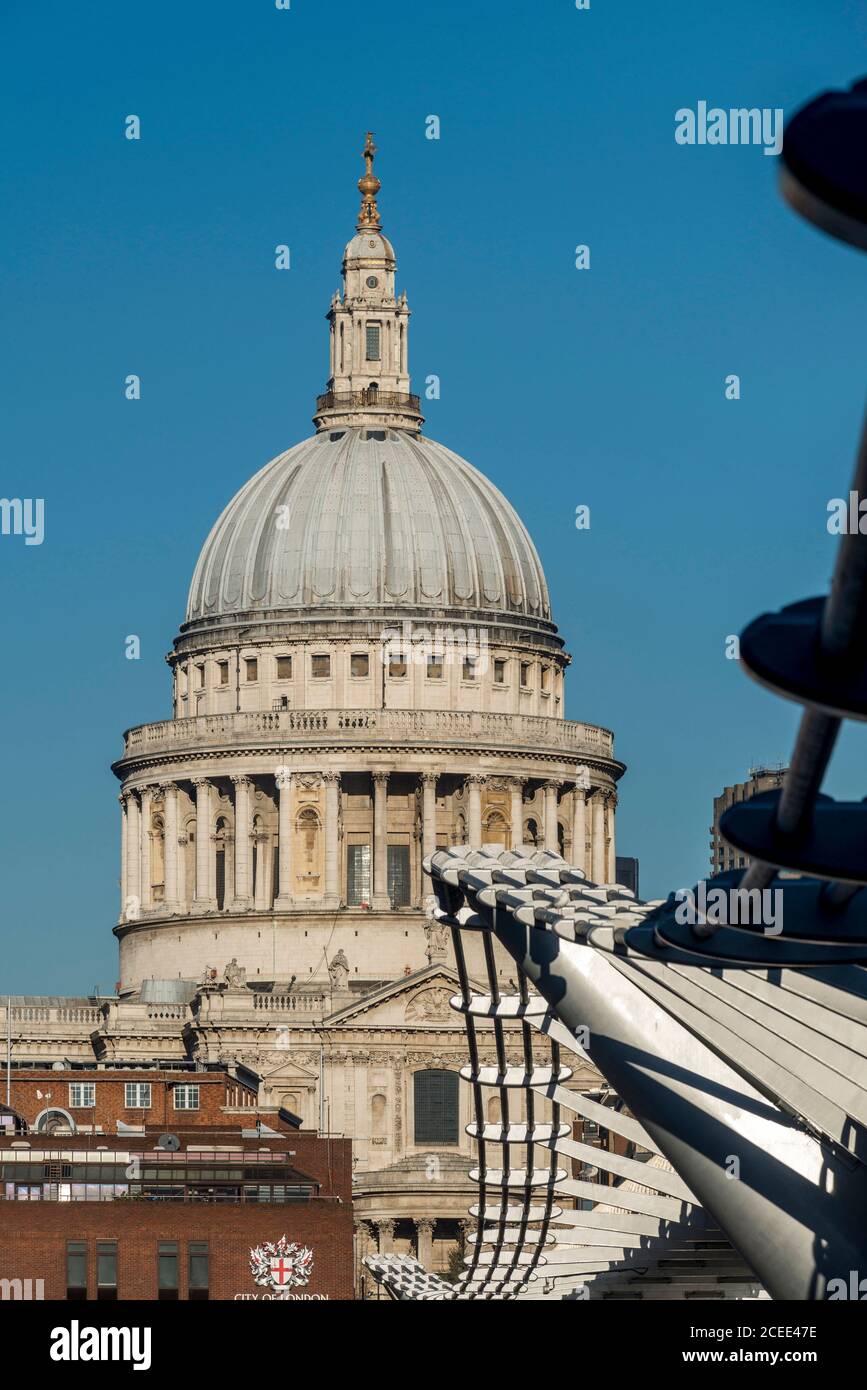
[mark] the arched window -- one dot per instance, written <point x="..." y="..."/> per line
<point x="531" y="833"/>
<point x="435" y="1098"/>
<point x="495" y="1110"/>
<point x="461" y="830"/>
<point x="377" y="1117"/>
<point x="495" y="830"/>
<point x="54" y="1122"/>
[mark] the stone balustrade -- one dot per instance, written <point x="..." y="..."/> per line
<point x="367" y="728"/>
<point x="290" y="1003"/>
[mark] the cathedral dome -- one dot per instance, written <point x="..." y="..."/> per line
<point x="358" y="521"/>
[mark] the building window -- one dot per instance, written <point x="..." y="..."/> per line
<point x="399" y="882"/>
<point x="320" y="667"/>
<point x="397" y="667"/>
<point x="372" y="342"/>
<point x="546" y="679"/>
<point x="137" y="1095"/>
<point x="106" y="1269"/>
<point x="200" y="677"/>
<point x="167" y="1271"/>
<point x="76" y="1269"/>
<point x="198" y="1270"/>
<point x="252" y="666"/>
<point x="359" y="664"/>
<point x="525" y="675"/>
<point x="434" y="668"/>
<point x="499" y="672"/>
<point x="435" y="1097"/>
<point x="223" y="668"/>
<point x="186" y="1097"/>
<point x="357" y="875"/>
<point x="82" y="1095"/>
<point x="284" y="668"/>
<point x="469" y="669"/>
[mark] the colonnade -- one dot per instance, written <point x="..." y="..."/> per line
<point x="583" y="816"/>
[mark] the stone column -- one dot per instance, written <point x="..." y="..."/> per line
<point x="183" y="896"/>
<point x="380" y="900"/>
<point x="332" y="838"/>
<point x="124" y="856"/>
<point x="598" y="845"/>
<point x="243" y="843"/>
<point x="474" y="811"/>
<point x="203" y="899"/>
<point x="133" y="863"/>
<point x="428" y="814"/>
<point x="262" y="892"/>
<point x="424" y="1229"/>
<point x="579" y="829"/>
<point x="284" y="838"/>
<point x="551" y="841"/>
<point x="610" y="807"/>
<point x="170" y="793"/>
<point x="385" y="1232"/>
<point x="146" y="869"/>
<point x="516" y="812"/>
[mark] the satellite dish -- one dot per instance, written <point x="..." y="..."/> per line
<point x="170" y="1142"/>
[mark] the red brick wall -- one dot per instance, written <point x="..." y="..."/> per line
<point x="34" y="1240"/>
<point x="215" y="1091"/>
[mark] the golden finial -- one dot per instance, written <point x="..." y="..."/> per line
<point x="369" y="186"/>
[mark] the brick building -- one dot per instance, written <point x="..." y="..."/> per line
<point x="98" y="1099"/>
<point x="159" y="1184"/>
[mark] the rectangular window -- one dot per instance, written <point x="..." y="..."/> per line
<point x="359" y="664"/>
<point x="469" y="668"/>
<point x="252" y="665"/>
<point x="167" y="1270"/>
<point x="434" y="668"/>
<point x="137" y="1095"/>
<point x="223" y="668"/>
<point x="200" y="677"/>
<point x="546" y="679"/>
<point x="106" y="1269"/>
<point x="82" y="1095"/>
<point x="357" y="875"/>
<point x="399" y="883"/>
<point x="525" y="675"/>
<point x="76" y="1269"/>
<point x="397" y="667"/>
<point x="284" y="668"/>
<point x="372" y="342"/>
<point x="320" y="667"/>
<point x="198" y="1270"/>
<point x="499" y="672"/>
<point x="186" y="1097"/>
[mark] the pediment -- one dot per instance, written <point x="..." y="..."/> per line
<point x="417" y="1000"/>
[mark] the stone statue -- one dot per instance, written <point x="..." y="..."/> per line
<point x="235" y="975"/>
<point x="436" y="933"/>
<point x="339" y="971"/>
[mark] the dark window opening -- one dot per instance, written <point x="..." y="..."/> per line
<point x="436" y="1106"/>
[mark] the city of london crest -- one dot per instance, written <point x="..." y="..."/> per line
<point x="281" y="1266"/>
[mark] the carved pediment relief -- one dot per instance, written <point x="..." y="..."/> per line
<point x="430" y="1006"/>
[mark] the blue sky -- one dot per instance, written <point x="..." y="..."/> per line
<point x="602" y="387"/>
